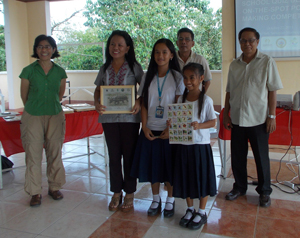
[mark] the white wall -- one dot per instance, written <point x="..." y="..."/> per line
<point x="82" y="78"/>
<point x="3" y="84"/>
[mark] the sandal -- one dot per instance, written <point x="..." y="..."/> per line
<point x="115" y="202"/>
<point x="127" y="205"/>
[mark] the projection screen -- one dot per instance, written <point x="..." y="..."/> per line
<point x="277" y="21"/>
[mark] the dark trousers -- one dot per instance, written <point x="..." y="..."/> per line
<point x="258" y="138"/>
<point x="121" y="139"/>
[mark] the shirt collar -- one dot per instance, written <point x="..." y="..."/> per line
<point x="258" y="55"/>
<point x="37" y="63"/>
<point x="191" y="55"/>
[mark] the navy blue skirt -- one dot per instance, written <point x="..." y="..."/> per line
<point x="194" y="171"/>
<point x="152" y="160"/>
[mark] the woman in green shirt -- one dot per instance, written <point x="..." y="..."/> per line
<point x="43" y="122"/>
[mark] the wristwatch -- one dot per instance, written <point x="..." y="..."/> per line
<point x="272" y="116"/>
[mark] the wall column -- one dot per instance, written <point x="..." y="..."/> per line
<point x="23" y="22"/>
<point x="228" y="40"/>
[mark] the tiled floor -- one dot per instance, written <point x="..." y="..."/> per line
<point x="83" y="211"/>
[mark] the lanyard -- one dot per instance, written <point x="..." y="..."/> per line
<point x="162" y="86"/>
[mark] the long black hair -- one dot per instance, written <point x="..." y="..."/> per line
<point x="130" y="56"/>
<point x="51" y="41"/>
<point x="199" y="70"/>
<point x="153" y="67"/>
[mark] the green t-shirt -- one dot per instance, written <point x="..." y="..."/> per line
<point x="43" y="94"/>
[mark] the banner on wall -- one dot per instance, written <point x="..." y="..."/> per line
<point x="277" y="21"/>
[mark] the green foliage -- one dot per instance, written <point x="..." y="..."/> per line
<point x="2" y="50"/>
<point x="79" y="57"/>
<point x="146" y="21"/>
<point x="149" y="20"/>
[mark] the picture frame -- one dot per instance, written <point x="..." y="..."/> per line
<point x="118" y="99"/>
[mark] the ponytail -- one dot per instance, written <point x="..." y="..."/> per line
<point x="200" y="100"/>
<point x="184" y="95"/>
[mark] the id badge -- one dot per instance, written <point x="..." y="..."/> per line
<point x="159" y="112"/>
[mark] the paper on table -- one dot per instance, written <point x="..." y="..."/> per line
<point x="12" y="118"/>
<point x="81" y="107"/>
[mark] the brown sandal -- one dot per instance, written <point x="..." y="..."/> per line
<point x="115" y="202"/>
<point x="127" y="205"/>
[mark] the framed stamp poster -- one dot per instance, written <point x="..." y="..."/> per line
<point x="117" y="99"/>
<point x="181" y="117"/>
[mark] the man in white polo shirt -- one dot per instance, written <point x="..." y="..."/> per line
<point x="253" y="80"/>
<point x="185" y="42"/>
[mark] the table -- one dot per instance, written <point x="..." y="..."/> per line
<point x="287" y="132"/>
<point x="287" y="124"/>
<point x="78" y="125"/>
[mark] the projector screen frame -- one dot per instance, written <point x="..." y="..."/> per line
<point x="287" y="54"/>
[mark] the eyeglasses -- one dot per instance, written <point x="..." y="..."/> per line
<point x="47" y="47"/>
<point x="187" y="39"/>
<point x="244" y="41"/>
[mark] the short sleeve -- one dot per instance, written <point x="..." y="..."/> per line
<point x="179" y="99"/>
<point x="62" y="72"/>
<point x="179" y="84"/>
<point x="25" y="73"/>
<point x="100" y="79"/>
<point x="207" y="73"/>
<point x="138" y="72"/>
<point x="210" y="111"/>
<point x="274" y="81"/>
<point x="228" y="80"/>
<point x="64" y="75"/>
<point x="140" y="91"/>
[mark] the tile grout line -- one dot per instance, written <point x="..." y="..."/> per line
<point x="255" y="225"/>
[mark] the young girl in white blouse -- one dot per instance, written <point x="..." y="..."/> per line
<point x="194" y="171"/>
<point x="162" y="85"/>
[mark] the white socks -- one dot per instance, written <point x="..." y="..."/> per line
<point x="198" y="218"/>
<point x="189" y="214"/>
<point x="201" y="211"/>
<point x="156" y="200"/>
<point x="169" y="203"/>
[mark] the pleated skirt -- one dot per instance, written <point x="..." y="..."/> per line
<point x="152" y="160"/>
<point x="194" y="171"/>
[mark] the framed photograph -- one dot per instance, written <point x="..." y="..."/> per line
<point x="181" y="117"/>
<point x="117" y="99"/>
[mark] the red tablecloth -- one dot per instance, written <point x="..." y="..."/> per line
<point x="78" y="125"/>
<point x="287" y="127"/>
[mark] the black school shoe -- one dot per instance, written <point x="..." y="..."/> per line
<point x="196" y="225"/>
<point x="154" y="211"/>
<point x="185" y="222"/>
<point x="169" y="213"/>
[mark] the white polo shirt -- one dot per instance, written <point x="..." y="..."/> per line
<point x="195" y="58"/>
<point x="248" y="85"/>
